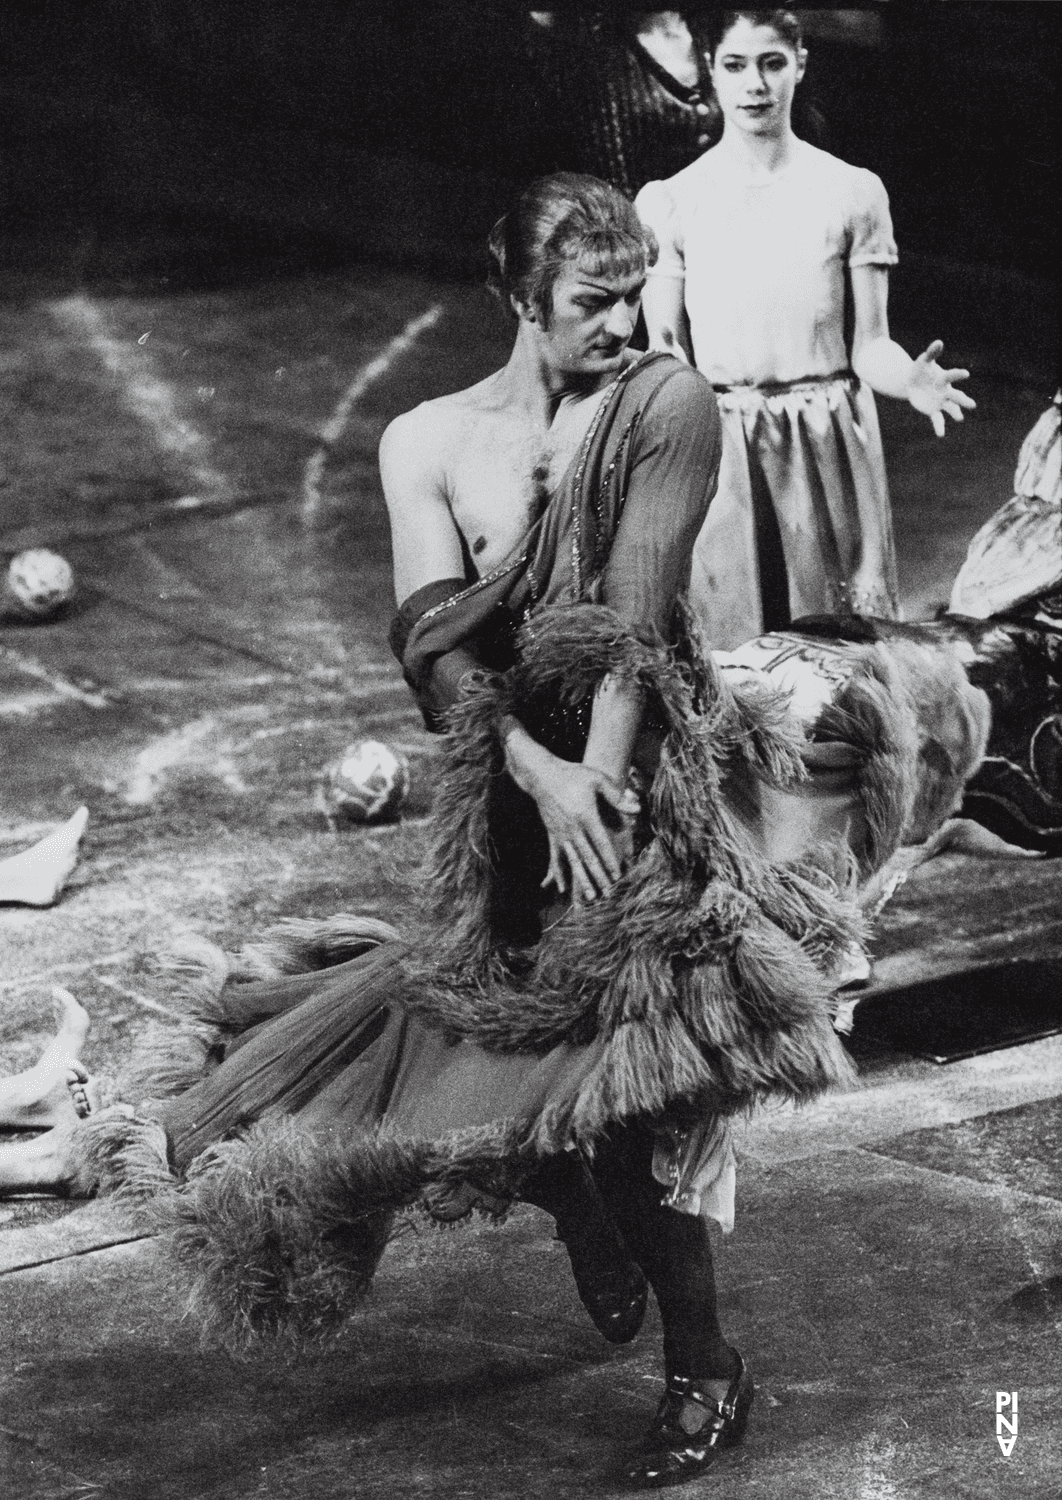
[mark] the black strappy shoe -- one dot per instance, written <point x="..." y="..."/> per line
<point x="671" y="1453"/>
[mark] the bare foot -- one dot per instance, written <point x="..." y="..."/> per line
<point x="82" y="1091"/>
<point x="51" y="1162"/>
<point x="57" y="1084"/>
<point x="37" y="875"/>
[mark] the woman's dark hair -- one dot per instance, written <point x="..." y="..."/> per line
<point x="559" y="218"/>
<point x="785" y="22"/>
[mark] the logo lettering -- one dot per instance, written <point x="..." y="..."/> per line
<point x="1006" y="1423"/>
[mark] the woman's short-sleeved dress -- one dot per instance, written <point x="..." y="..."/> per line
<point x="801" y="524"/>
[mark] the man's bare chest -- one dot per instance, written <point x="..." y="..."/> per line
<point x="502" y="476"/>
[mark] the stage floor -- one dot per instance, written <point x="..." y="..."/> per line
<point x="206" y="461"/>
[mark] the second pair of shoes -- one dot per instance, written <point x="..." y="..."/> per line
<point x="691" y="1429"/>
<point x="610" y="1283"/>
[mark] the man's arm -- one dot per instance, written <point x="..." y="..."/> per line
<point x="427" y="552"/>
<point x="427" y="549"/>
<point x="674" y="462"/>
<point x="425" y="541"/>
<point x="582" y="849"/>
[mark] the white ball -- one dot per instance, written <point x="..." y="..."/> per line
<point x="38" y="582"/>
<point x="369" y="781"/>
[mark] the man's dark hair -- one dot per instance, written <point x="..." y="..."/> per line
<point x="565" y="217"/>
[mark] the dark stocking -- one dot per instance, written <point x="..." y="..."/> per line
<point x="610" y="1284"/>
<point x="561" y="1186"/>
<point x="672" y="1249"/>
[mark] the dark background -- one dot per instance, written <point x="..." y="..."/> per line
<point x="188" y="142"/>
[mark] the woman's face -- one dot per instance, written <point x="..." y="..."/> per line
<point x="755" y="73"/>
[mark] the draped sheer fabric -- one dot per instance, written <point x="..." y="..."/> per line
<point x="618" y="530"/>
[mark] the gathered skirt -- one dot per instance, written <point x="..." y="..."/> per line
<point x="801" y="522"/>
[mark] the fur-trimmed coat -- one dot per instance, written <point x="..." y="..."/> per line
<point x="700" y="982"/>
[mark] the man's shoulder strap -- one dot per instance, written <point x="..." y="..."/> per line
<point x="655" y="369"/>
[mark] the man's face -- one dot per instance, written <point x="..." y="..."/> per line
<point x="592" y="320"/>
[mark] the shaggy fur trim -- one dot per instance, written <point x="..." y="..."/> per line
<point x="954" y="721"/>
<point x="278" y="1234"/>
<point x="699" y="978"/>
<point x="875" y="715"/>
<point x="922" y="730"/>
<point x="701" y="971"/>
<point x="298" y="945"/>
<point x="454" y="878"/>
<point x="170" y="1056"/>
<point x="701" y="968"/>
<point x="122" y="1155"/>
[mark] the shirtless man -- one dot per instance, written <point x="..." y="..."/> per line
<point x="480" y="486"/>
<point x="576" y="475"/>
<point x="464" y="476"/>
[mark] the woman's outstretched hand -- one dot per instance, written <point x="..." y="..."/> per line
<point x="932" y="390"/>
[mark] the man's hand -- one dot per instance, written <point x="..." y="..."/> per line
<point x="586" y="856"/>
<point x="931" y="389"/>
<point x="583" y="850"/>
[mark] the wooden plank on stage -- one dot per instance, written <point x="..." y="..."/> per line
<point x="93" y="1227"/>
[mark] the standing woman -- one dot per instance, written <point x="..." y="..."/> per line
<point x="762" y="240"/>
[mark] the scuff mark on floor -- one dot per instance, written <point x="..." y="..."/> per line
<point x="145" y="395"/>
<point x="183" y="748"/>
<point x="332" y="430"/>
